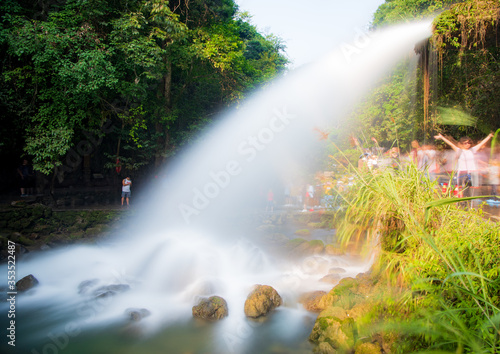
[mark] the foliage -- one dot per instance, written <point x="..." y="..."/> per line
<point x="457" y="70"/>
<point x="397" y="11"/>
<point x="48" y="147"/>
<point x="159" y="70"/>
<point x="465" y="38"/>
<point x="444" y="257"/>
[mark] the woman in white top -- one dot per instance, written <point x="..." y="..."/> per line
<point x="467" y="169"/>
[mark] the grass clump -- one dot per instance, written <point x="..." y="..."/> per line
<point x="443" y="259"/>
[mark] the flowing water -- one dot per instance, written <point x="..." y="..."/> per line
<point x="189" y="238"/>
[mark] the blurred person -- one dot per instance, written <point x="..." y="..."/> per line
<point x="270" y="201"/>
<point x="372" y="162"/>
<point x="395" y="157"/>
<point x="417" y="155"/>
<point x="482" y="160"/>
<point x="431" y="161"/>
<point x="466" y="167"/>
<point x="494" y="175"/>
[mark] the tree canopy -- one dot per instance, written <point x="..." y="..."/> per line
<point x="152" y="72"/>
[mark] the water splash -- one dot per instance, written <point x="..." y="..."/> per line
<point x="180" y="246"/>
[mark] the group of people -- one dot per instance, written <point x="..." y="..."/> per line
<point x="471" y="165"/>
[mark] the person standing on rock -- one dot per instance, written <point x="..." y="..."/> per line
<point x="126" y="183"/>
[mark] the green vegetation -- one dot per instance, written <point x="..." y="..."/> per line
<point x="133" y="81"/>
<point x="34" y="226"/>
<point x="452" y="87"/>
<point x="435" y="285"/>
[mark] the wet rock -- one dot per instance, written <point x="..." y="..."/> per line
<point x="110" y="290"/>
<point x="336" y="270"/>
<point x="135" y="314"/>
<point x="331" y="278"/>
<point x="368" y="348"/>
<point x="261" y="301"/>
<point x="333" y="251"/>
<point x="26" y="283"/>
<point x="213" y="308"/>
<point x="44" y="247"/>
<point x="335" y="327"/>
<point x="18" y="203"/>
<point x="86" y="285"/>
<point x="312" y="301"/>
<point x="303" y="232"/>
<point x="301" y="247"/>
<point x="325" y="348"/>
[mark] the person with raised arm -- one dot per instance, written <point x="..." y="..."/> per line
<point x="467" y="169"/>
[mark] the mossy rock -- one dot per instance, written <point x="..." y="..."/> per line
<point x="334" y="312"/>
<point x="65" y="218"/>
<point x="303" y="232"/>
<point x="333" y="250"/>
<point x="316" y="243"/>
<point x="19" y="224"/>
<point x="24" y="241"/>
<point x="77" y="235"/>
<point x="324" y="348"/>
<point x="213" y="308"/>
<point x="96" y="230"/>
<point x="312" y="301"/>
<point x="44" y="228"/>
<point x="339" y="333"/>
<point x="295" y="242"/>
<point x="261" y="300"/>
<point x="368" y="348"/>
<point x="331" y="278"/>
<point x="343" y="294"/>
<point x="316" y="225"/>
<point x="74" y="228"/>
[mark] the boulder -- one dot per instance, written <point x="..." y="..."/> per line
<point x="213" y="308"/>
<point x="110" y="290"/>
<point x="86" y="285"/>
<point x="261" y="301"/>
<point x="312" y="301"/>
<point x="331" y="278"/>
<point x="336" y="270"/>
<point x="333" y="251"/>
<point x="26" y="283"/>
<point x="368" y="348"/>
<point x="135" y="314"/>
<point x="334" y="327"/>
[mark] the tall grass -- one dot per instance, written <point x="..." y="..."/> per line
<point x="444" y="258"/>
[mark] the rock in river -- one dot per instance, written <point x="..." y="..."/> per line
<point x="261" y="301"/>
<point x="213" y="308"/>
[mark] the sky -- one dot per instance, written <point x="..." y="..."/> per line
<point x="312" y="28"/>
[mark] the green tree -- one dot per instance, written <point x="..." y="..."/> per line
<point x="158" y="71"/>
